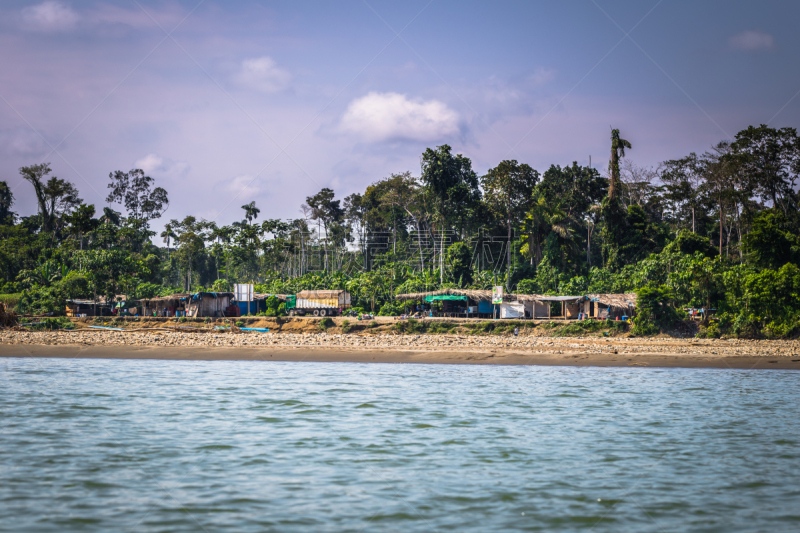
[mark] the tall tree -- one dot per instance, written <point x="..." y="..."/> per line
<point x="618" y="146"/>
<point x="771" y="159"/>
<point x="6" y="201"/>
<point x="508" y="191"/>
<point x="135" y="191"/>
<point x="453" y="187"/>
<point x="326" y="210"/>
<point x="167" y="236"/>
<point x="81" y="221"/>
<point x="251" y="212"/>
<point x="35" y="175"/>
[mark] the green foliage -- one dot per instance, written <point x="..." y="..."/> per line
<point x="459" y="258"/>
<point x="655" y="311"/>
<point x="346" y="326"/>
<point x="239" y="324"/>
<point x="373" y="324"/>
<point x="49" y="324"/>
<point x="689" y="243"/>
<point x="11" y="300"/>
<point x="182" y="319"/>
<point x="392" y="308"/>
<point x="221" y="285"/>
<point x="583" y="327"/>
<point x="325" y="323"/>
<point x="772" y="242"/>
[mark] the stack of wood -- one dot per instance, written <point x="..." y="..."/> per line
<point x="8" y="318"/>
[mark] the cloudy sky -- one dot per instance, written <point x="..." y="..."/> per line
<point x="228" y="102"/>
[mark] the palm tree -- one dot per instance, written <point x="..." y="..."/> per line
<point x="617" y="152"/>
<point x="251" y="212"/>
<point x="167" y="235"/>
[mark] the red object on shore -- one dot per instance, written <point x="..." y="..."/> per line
<point x="233" y="311"/>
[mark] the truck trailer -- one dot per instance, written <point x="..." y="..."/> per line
<point x="318" y="303"/>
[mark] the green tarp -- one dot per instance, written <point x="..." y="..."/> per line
<point x="446" y="297"/>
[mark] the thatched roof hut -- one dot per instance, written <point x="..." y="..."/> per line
<point x="476" y="295"/>
<point x="620" y="301"/>
<point x="173" y="300"/>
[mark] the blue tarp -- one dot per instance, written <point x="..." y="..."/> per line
<point x="485" y="306"/>
<point x="256" y="306"/>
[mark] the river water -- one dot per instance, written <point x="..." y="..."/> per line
<point x="140" y="446"/>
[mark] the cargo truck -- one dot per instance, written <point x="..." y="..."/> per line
<point x="317" y="303"/>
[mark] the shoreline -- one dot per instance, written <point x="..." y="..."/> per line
<point x="396" y="355"/>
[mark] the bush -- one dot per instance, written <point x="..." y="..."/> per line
<point x="182" y="319"/>
<point x="10" y="300"/>
<point x="373" y="324"/>
<point x="655" y="311"/>
<point x="50" y="324"/>
<point x="409" y="326"/>
<point x="326" y="323"/>
<point x="346" y="326"/>
<point x="239" y="324"/>
<point x="392" y="308"/>
<point x="590" y="326"/>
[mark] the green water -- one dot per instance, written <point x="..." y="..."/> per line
<point x="146" y="446"/>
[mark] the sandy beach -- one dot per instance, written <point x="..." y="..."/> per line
<point x="444" y="349"/>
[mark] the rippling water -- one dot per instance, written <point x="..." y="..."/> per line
<point x="112" y="445"/>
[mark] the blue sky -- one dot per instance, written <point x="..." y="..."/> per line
<point x="228" y="102"/>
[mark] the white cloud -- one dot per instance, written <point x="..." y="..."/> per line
<point x="752" y="40"/>
<point x="263" y="74"/>
<point x="22" y="141"/>
<point x="156" y="166"/>
<point x="382" y="116"/>
<point x="541" y="76"/>
<point x="50" y="16"/>
<point x="245" y="186"/>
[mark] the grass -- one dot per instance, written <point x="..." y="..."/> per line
<point x="577" y="329"/>
<point x="11" y="300"/>
<point x="49" y="324"/>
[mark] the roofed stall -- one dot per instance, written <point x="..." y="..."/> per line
<point x="201" y="304"/>
<point x="609" y="306"/>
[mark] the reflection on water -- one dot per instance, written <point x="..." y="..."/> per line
<point x="112" y="445"/>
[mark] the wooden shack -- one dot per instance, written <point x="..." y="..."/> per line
<point x="609" y="306"/>
<point x="75" y="307"/>
<point x="200" y="304"/>
<point x="211" y="304"/>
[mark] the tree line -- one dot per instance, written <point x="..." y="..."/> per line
<point x="705" y="230"/>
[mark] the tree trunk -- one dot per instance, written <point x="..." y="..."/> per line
<point x="589" y="245"/>
<point x="720" y="226"/>
<point x="441" y="259"/>
<point x="508" y="258"/>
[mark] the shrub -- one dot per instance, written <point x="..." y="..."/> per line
<point x="346" y="326"/>
<point x="392" y="308"/>
<point x="10" y="300"/>
<point x="239" y="324"/>
<point x="182" y="319"/>
<point x="655" y="311"/>
<point x="50" y="324"/>
<point x="326" y="323"/>
<point x="373" y="324"/>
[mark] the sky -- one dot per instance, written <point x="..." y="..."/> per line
<point x="224" y="103"/>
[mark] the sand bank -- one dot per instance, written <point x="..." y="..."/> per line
<point x="444" y="349"/>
